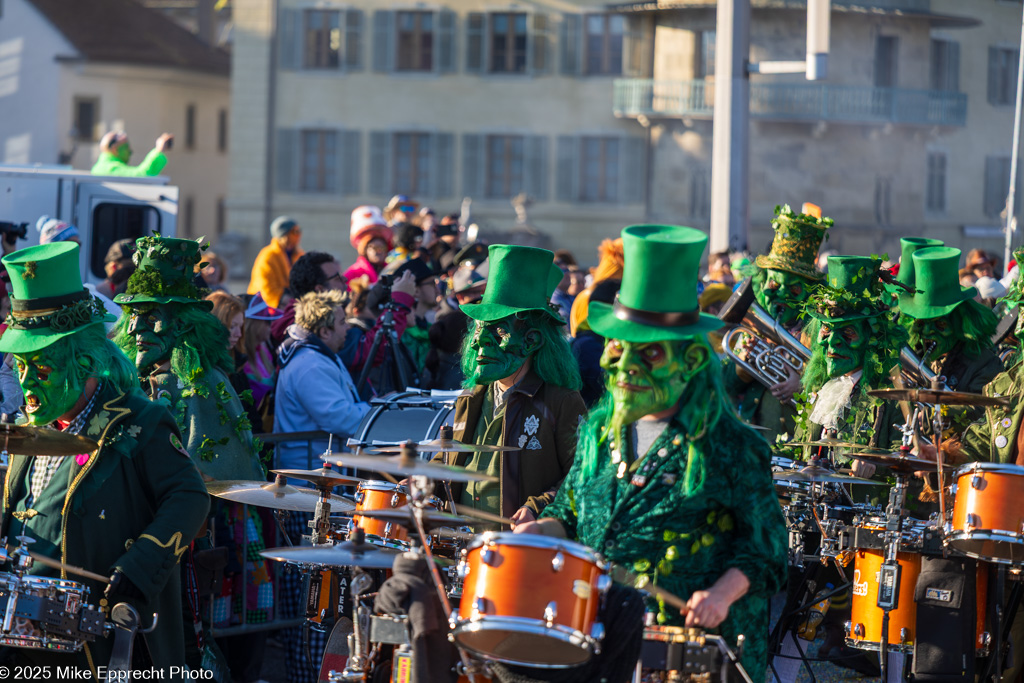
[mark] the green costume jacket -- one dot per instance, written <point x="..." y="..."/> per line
<point x="756" y="405"/>
<point x="993" y="438"/>
<point x="134" y="505"/>
<point x="698" y="511"/>
<point x="538" y="417"/>
<point x="108" y="164"/>
<point x="213" y="423"/>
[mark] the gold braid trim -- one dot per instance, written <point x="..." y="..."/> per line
<point x="175" y="539"/>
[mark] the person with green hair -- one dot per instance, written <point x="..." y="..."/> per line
<point x="521" y="388"/>
<point x="127" y="509"/>
<point x="668" y="482"/>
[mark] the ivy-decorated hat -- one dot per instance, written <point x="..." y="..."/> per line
<point x="797" y="241"/>
<point x="164" y="274"/>
<point x="937" y="280"/>
<point x="908" y="247"/>
<point x="852" y="291"/>
<point x="48" y="301"/>
<point x="520" y="279"/>
<point x="658" y="297"/>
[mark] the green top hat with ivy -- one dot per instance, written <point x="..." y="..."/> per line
<point x="937" y="281"/>
<point x="165" y="273"/>
<point x="852" y="291"/>
<point x="521" y="279"/>
<point x="797" y="240"/>
<point x="48" y="301"/>
<point x="658" y="297"/>
<point x="908" y="247"/>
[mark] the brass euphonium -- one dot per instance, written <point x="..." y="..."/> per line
<point x="915" y="371"/>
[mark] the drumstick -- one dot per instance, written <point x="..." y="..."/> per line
<point x="57" y="564"/>
<point x="643" y="583"/>
<point x="481" y="514"/>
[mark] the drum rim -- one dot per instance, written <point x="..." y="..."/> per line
<point x="1003" y="467"/>
<point x="381" y="485"/>
<point x="870" y="645"/>
<point x="983" y="534"/>
<point x="528" y="626"/>
<point x="48" y="643"/>
<point x="49" y="582"/>
<point x="512" y="539"/>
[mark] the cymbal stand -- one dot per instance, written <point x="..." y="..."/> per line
<point x="889" y="572"/>
<point x="937" y="439"/>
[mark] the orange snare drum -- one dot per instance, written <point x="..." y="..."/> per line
<point x="381" y="495"/>
<point x="530" y="600"/>
<point x="988" y="517"/>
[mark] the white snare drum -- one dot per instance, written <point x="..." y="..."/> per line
<point x="43" y="613"/>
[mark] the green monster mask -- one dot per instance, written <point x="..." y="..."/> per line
<point x="155" y="334"/>
<point x="647" y="378"/>
<point x="936" y="334"/>
<point x="845" y="347"/>
<point x="782" y="295"/>
<point x="51" y="381"/>
<point x="502" y="346"/>
<point x="123" y="152"/>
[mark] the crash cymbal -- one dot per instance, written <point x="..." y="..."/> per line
<point x="345" y="554"/>
<point x="482" y="515"/>
<point x="277" y="495"/>
<point x="435" y="446"/>
<point x="431" y="518"/>
<point x="904" y="464"/>
<point x="833" y="443"/>
<point x="818" y="475"/>
<point x="938" y="396"/>
<point x="403" y="465"/>
<point x="324" y="477"/>
<point x="29" y="440"/>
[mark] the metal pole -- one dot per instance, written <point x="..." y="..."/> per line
<point x="1015" y="152"/>
<point x="730" y="212"/>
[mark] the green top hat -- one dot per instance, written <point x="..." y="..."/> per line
<point x="936" y="271"/>
<point x="909" y="246"/>
<point x="658" y="297"/>
<point x="164" y="274"/>
<point x="797" y="241"/>
<point x="852" y="291"/>
<point x="520" y="279"/>
<point x="48" y="301"/>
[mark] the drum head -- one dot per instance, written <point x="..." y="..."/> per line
<point x="405" y="416"/>
<point x="523" y="644"/>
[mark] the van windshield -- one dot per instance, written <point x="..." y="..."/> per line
<point x="112" y="222"/>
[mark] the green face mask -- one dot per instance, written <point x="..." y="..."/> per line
<point x="50" y="382"/>
<point x="155" y="335"/>
<point x="502" y="347"/>
<point x="782" y="295"/>
<point x="936" y="334"/>
<point x="124" y="152"/>
<point x="647" y="378"/>
<point x="845" y="347"/>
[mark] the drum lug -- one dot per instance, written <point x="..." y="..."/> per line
<point x="977" y="482"/>
<point x="489" y="557"/>
<point x="953" y="488"/>
<point x="359" y="497"/>
<point x="597" y="631"/>
<point x="972" y="522"/>
<point x="479" y="607"/>
<point x="847" y="625"/>
<point x="558" y="561"/>
<point x="550" y="613"/>
<point x="395" y="500"/>
<point x="904" y="636"/>
<point x="604" y="582"/>
<point x="387" y="530"/>
<point x="858" y="630"/>
<point x="463" y="570"/>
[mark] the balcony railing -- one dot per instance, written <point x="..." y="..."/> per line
<point x="904" y="5"/>
<point x="795" y="101"/>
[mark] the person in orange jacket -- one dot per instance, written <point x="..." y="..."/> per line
<point x="274" y="262"/>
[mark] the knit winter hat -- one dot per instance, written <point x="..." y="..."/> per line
<point x="53" y="230"/>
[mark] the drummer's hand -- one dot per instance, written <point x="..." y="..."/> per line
<point x="785" y="390"/>
<point x="530" y="527"/>
<point x="707" y="609"/>
<point x="863" y="469"/>
<point x="522" y="516"/>
<point x="926" y="451"/>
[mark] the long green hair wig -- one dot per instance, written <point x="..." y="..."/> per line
<point x="99" y="357"/>
<point x="974" y="325"/>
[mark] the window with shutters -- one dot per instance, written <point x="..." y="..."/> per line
<point x="319" y="161"/>
<point x="86" y="115"/>
<point x="599" y="169"/>
<point x="935" y="192"/>
<point x="997" y="185"/>
<point x="700" y="193"/>
<point x="411" y="163"/>
<point x="706" y="54"/>
<point x="322" y="39"/>
<point x="415" y="41"/>
<point x="1002" y="75"/>
<point x="886" y="48"/>
<point x="507" y="42"/>
<point x="604" y="44"/>
<point x="504" y="164"/>
<point x="944" y="67"/>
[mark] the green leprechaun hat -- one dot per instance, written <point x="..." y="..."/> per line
<point x="658" y="297"/>
<point x="520" y="279"/>
<point x="908" y="247"/>
<point x="48" y="301"/>
<point x="852" y="291"/>
<point x="165" y="270"/>
<point x="797" y="241"/>
<point x="937" y="280"/>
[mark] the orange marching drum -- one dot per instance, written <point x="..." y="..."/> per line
<point x="530" y="600"/>
<point x="988" y="515"/>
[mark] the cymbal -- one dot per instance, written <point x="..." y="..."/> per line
<point x="833" y="443"/>
<point x="436" y="446"/>
<point x="431" y="519"/>
<point x="813" y="473"/>
<point x="405" y="466"/>
<point x="905" y="464"/>
<point x="482" y="514"/>
<point x="277" y="495"/>
<point x="324" y="477"/>
<point x="937" y="396"/>
<point x="29" y="440"/>
<point x="345" y="554"/>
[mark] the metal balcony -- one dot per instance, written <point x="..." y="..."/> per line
<point x="794" y="102"/>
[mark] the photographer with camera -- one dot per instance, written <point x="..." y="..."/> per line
<point x="116" y="150"/>
<point x="10" y="233"/>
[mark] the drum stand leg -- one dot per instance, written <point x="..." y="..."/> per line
<point x="889" y="572"/>
<point x="1003" y="621"/>
<point x="785" y="626"/>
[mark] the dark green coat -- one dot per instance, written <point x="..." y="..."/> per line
<point x="538" y="417"/>
<point x="701" y="510"/>
<point x="968" y="373"/>
<point x="135" y="505"/>
<point x="757" y="406"/>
